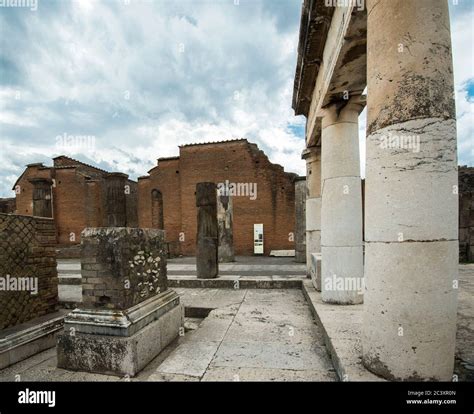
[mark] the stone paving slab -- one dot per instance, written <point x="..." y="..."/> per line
<point x="272" y="355"/>
<point x="257" y="341"/>
<point x="228" y="374"/>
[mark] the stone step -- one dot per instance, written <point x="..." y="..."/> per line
<point x="236" y="282"/>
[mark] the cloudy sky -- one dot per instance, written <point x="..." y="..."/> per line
<point x="140" y="77"/>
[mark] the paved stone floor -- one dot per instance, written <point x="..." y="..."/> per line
<point x="250" y="335"/>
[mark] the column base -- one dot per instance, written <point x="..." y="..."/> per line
<point x="409" y="326"/>
<point x="119" y="342"/>
<point x="342" y="275"/>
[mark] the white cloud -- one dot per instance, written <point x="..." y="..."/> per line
<point x="146" y="77"/>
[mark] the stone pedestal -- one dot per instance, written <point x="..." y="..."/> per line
<point x="225" y="228"/>
<point x="312" y="156"/>
<point x="300" y="219"/>
<point x="207" y="263"/>
<point x="128" y="315"/>
<point x="341" y="211"/>
<point x="411" y="261"/>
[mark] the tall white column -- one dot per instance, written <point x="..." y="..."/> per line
<point x="341" y="212"/>
<point x="312" y="156"/>
<point x="411" y="222"/>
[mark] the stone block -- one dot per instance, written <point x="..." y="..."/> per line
<point x="130" y="265"/>
<point x="342" y="274"/>
<point x="316" y="270"/>
<point x="313" y="214"/>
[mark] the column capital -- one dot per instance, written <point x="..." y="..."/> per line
<point x="311" y="154"/>
<point x="343" y="110"/>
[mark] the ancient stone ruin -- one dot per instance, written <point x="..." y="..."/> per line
<point x="173" y="286"/>
<point x="128" y="314"/>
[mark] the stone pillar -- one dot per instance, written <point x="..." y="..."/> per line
<point x="411" y="262"/>
<point x="42" y="197"/>
<point x="207" y="233"/>
<point x="115" y="200"/>
<point x="128" y="314"/>
<point x="341" y="212"/>
<point x="312" y="156"/>
<point x="300" y="220"/>
<point x="225" y="228"/>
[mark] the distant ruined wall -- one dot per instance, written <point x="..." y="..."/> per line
<point x="27" y="251"/>
<point x="466" y="214"/>
<point x="7" y="205"/>
<point x="82" y="196"/>
<point x="238" y="162"/>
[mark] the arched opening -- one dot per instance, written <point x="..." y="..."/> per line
<point x="157" y="220"/>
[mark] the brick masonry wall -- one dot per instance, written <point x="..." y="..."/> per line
<point x="27" y="251"/>
<point x="70" y="205"/>
<point x="24" y="194"/>
<point x="79" y="197"/>
<point x="466" y="214"/>
<point x="238" y="162"/>
<point x="166" y="177"/>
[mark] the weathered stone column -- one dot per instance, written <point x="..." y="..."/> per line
<point x="225" y="228"/>
<point x="312" y="156"/>
<point x="207" y="232"/>
<point x="341" y="211"/>
<point x="411" y="264"/>
<point x="300" y="219"/>
<point x="115" y="199"/>
<point x="128" y="314"/>
<point x="42" y="197"/>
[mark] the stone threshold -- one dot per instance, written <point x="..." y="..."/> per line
<point x="22" y="341"/>
<point x="341" y="325"/>
<point x="236" y="282"/>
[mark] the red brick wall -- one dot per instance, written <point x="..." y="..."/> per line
<point x="166" y="178"/>
<point x="238" y="162"/>
<point x="70" y="205"/>
<point x="24" y="198"/>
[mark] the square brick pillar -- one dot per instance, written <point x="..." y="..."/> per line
<point x="128" y="315"/>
